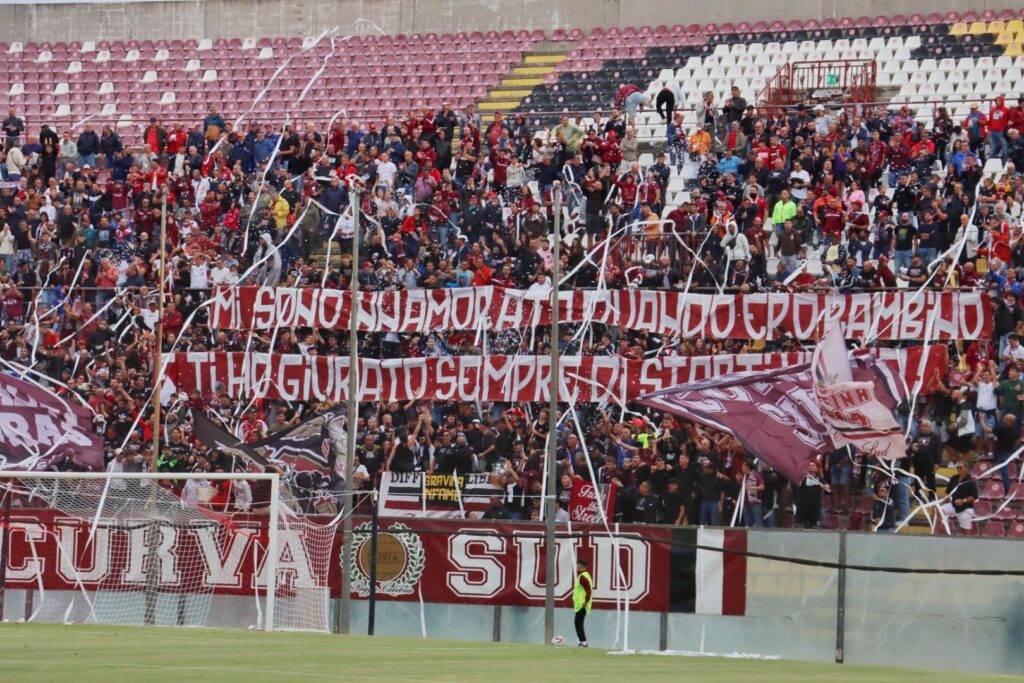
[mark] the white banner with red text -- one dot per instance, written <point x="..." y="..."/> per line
<point x="874" y="315"/>
<point x="295" y="377"/>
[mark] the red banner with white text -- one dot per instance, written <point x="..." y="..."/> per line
<point x="296" y="377"/>
<point x="468" y="562"/>
<point x="872" y="315"/>
<point x="588" y="501"/>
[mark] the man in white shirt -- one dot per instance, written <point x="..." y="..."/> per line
<point x="822" y="120"/>
<point x="408" y="274"/>
<point x="241" y="494"/>
<point x="386" y="170"/>
<point x="799" y="181"/>
<point x="150" y="314"/>
<point x="48" y="209"/>
<point x="196" y="492"/>
<point x="200" y="273"/>
<point x="735" y="244"/>
<point x="200" y="186"/>
<point x="221" y="274"/>
<point x="16" y="163"/>
<point x="1014" y="352"/>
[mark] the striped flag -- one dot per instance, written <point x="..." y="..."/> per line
<point x="706" y="577"/>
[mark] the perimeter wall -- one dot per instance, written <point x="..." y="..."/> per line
<point x="45" y="20"/>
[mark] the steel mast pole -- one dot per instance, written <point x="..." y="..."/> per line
<point x="345" y="604"/>
<point x="552" y="454"/>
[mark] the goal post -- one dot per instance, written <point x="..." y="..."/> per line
<point x="161" y="548"/>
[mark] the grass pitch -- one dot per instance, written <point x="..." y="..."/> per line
<point x="84" y="654"/>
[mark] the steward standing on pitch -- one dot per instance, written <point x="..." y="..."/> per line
<point x="582" y="599"/>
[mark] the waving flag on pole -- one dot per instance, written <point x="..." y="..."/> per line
<point x="216" y="437"/>
<point x="790" y="416"/>
<point x="316" y="443"/>
<point x="39" y="429"/>
<point x="772" y="413"/>
<point x="857" y="413"/>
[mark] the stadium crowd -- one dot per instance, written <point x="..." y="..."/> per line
<point x="818" y="198"/>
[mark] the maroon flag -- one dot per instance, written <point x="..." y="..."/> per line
<point x="38" y="429"/>
<point x="584" y="502"/>
<point x="857" y="413"/>
<point x="772" y="413"/>
<point x="775" y="414"/>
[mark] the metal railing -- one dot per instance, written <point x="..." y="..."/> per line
<point x="852" y="81"/>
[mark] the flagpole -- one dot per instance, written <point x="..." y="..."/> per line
<point x="552" y="455"/>
<point x="155" y="457"/>
<point x="345" y="604"/>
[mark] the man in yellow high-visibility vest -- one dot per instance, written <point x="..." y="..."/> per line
<point x="582" y="599"/>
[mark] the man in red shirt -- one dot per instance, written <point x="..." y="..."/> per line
<point x="624" y="91"/>
<point x="425" y="153"/>
<point x="155" y="136"/>
<point x="173" y="321"/>
<point x="337" y="136"/>
<point x="998" y="117"/>
<point x="209" y="211"/>
<point x="925" y="144"/>
<point x="776" y="150"/>
<point x="876" y="156"/>
<point x="427" y="123"/>
<point x="501" y="159"/>
<point x="857" y="218"/>
<point x="833" y="220"/>
<point x="611" y="153"/>
<point x="649" y="192"/>
<point x="803" y="281"/>
<point x="494" y="130"/>
<point x="885" y="274"/>
<point x="1016" y="118"/>
<point x="627" y="191"/>
<point x="177" y="143"/>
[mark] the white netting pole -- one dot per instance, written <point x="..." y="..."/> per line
<point x="272" y="550"/>
<point x="162" y="543"/>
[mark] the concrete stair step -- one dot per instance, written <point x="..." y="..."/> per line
<point x="520" y="82"/>
<point x="496" y="105"/>
<point x="504" y="94"/>
<point x="536" y="58"/>
<point x="532" y="70"/>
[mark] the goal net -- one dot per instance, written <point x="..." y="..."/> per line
<point x="159" y="549"/>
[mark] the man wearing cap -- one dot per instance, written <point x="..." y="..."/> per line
<point x="822" y="120"/>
